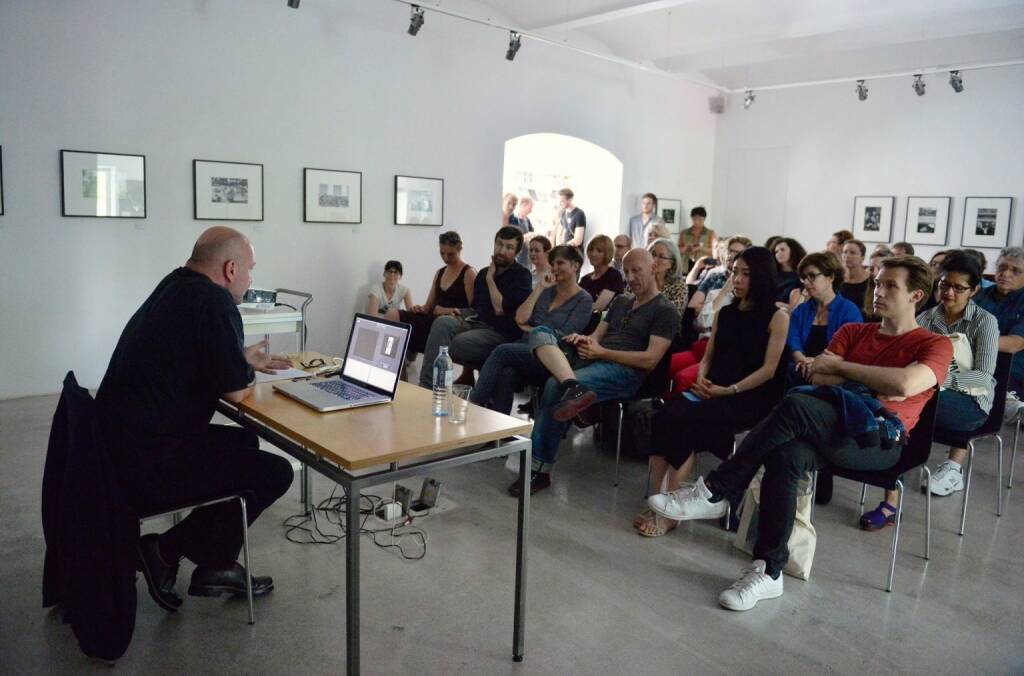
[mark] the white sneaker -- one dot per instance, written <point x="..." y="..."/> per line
<point x="752" y="586"/>
<point x="948" y="478"/>
<point x="1012" y="408"/>
<point x="688" y="502"/>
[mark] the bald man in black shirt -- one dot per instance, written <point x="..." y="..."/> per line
<point x="180" y="353"/>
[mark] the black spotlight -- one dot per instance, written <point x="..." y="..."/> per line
<point x="919" y="84"/>
<point x="294" y="4"/>
<point x="956" y="81"/>
<point x="862" y="90"/>
<point x="416" y="20"/>
<point x="748" y="100"/>
<point x="514" y="42"/>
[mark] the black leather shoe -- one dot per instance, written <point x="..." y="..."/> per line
<point x="208" y="581"/>
<point x="160" y="576"/>
<point x="575" y="400"/>
<point x="538" y="482"/>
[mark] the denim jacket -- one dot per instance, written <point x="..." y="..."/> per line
<point x="861" y="416"/>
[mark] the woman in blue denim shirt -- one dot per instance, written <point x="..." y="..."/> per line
<point x="557" y="303"/>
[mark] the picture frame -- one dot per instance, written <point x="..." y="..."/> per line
<point x="872" y="218"/>
<point x="419" y="200"/>
<point x="928" y="220"/>
<point x="671" y="212"/>
<point x="332" y="196"/>
<point x="227" y="191"/>
<point x="102" y="184"/>
<point x="987" y="222"/>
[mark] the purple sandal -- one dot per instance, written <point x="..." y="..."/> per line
<point x="877" y="519"/>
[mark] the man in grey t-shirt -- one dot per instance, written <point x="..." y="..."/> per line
<point x="610" y="363"/>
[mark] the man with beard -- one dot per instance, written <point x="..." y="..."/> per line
<point x="499" y="290"/>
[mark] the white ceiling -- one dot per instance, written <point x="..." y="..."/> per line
<point x="751" y="43"/>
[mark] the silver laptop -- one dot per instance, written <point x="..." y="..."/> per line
<point x="373" y="362"/>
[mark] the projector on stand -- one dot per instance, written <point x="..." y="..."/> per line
<point x="259" y="299"/>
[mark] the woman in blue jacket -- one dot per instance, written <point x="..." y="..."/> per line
<point x="815" y="322"/>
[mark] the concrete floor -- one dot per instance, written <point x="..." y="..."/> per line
<point x="601" y="599"/>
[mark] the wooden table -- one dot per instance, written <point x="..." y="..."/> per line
<point x="363" y="447"/>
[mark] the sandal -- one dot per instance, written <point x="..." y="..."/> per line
<point x="877" y="519"/>
<point x="642" y="518"/>
<point x="656" y="527"/>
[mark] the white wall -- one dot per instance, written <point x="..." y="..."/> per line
<point x="335" y="84"/>
<point x="820" y="146"/>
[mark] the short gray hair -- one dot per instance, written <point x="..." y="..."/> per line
<point x="676" y="271"/>
<point x="1012" y="252"/>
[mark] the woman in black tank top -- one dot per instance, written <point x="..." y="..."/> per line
<point x="450" y="300"/>
<point x="741" y="378"/>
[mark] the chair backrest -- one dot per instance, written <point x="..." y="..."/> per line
<point x="919" y="446"/>
<point x="656" y="382"/>
<point x="1002" y="375"/>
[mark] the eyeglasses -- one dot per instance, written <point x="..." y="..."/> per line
<point x="664" y="258"/>
<point x="312" y="363"/>
<point x="811" y="276"/>
<point x="956" y="288"/>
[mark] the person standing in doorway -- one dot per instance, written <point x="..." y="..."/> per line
<point x="696" y="240"/>
<point x="571" y="219"/>
<point x="647" y="216"/>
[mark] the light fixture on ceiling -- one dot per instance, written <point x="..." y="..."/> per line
<point x="919" y="84"/>
<point x="748" y="100"/>
<point x="862" y="90"/>
<point x="514" y="43"/>
<point x="956" y="81"/>
<point x="294" y="4"/>
<point x="415" y="19"/>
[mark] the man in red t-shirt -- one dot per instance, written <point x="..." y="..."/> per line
<point x="897" y="360"/>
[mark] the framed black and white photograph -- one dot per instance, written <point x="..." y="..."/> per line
<point x="102" y="185"/>
<point x="419" y="201"/>
<point x="227" y="191"/>
<point x="872" y="218"/>
<point x="671" y="211"/>
<point x="332" y="196"/>
<point x="928" y="220"/>
<point x="986" y="222"/>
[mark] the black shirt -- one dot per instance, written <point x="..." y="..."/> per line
<point x="817" y="341"/>
<point x="514" y="284"/>
<point x="178" y="354"/>
<point x="854" y="292"/>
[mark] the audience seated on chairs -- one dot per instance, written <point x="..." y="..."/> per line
<point x="685" y="364"/>
<point x="857" y="281"/>
<point x="451" y="293"/>
<point x="668" y="272"/>
<point x="966" y="395"/>
<point x="736" y="387"/>
<point x="895" y="363"/>
<point x="179" y="353"/>
<point x="716" y="278"/>
<point x="623" y="243"/>
<point x="836" y="242"/>
<point x="539" y="247"/>
<point x="557" y="307"/>
<point x="498" y="291"/>
<point x="610" y="363"/>
<point x="788" y="254"/>
<point x="387" y="296"/>
<point x="605" y="282"/>
<point x="1005" y="300"/>
<point x="815" y="322"/>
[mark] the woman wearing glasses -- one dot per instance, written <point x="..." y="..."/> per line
<point x="668" y="272"/>
<point x="966" y="395"/>
<point x="736" y="386"/>
<point x="815" y="322"/>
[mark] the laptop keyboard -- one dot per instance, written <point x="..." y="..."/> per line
<point x="340" y="388"/>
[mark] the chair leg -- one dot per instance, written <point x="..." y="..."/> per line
<point x="245" y="559"/>
<point x="999" y="475"/>
<point x="863" y="497"/>
<point x="647" y="485"/>
<point x="814" y="491"/>
<point x="618" y="442"/>
<point x="967" y="486"/>
<point x="896" y="534"/>
<point x="928" y="513"/>
<point x="1013" y="454"/>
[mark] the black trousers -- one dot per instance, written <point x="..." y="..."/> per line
<point x="682" y="427"/>
<point x="227" y="460"/>
<point x="799" y="435"/>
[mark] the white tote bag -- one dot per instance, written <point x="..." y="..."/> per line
<point x="801" y="541"/>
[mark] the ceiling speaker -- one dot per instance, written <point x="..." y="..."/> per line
<point x="716" y="104"/>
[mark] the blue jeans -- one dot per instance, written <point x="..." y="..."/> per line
<point x="958" y="412"/>
<point x="607" y="379"/>
<point x="511" y="366"/>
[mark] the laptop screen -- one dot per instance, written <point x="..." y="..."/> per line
<point x="376" y="349"/>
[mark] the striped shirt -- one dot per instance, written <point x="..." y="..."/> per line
<point x="982" y="333"/>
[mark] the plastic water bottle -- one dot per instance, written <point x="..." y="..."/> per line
<point x="444" y="370"/>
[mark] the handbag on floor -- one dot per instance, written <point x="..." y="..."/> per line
<point x="801" y="541"/>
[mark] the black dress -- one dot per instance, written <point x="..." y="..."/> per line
<point x="453" y="296"/>
<point x="787" y="282"/>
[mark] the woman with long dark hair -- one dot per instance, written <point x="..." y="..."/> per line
<point x="788" y="254"/>
<point x="738" y="383"/>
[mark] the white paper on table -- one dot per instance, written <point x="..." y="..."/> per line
<point x="283" y="374"/>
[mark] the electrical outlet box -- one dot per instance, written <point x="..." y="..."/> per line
<point x="403" y="496"/>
